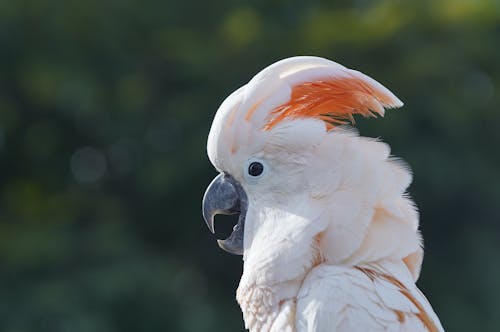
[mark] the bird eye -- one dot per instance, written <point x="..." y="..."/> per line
<point x="255" y="168"/>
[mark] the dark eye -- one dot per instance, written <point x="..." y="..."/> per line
<point x="255" y="168"/>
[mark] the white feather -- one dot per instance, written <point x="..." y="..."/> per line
<point x="367" y="303"/>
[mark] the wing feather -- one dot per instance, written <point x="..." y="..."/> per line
<point x="335" y="298"/>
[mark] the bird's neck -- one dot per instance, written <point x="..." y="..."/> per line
<point x="267" y="292"/>
<point x="268" y="307"/>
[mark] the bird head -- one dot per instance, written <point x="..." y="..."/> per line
<point x="305" y="187"/>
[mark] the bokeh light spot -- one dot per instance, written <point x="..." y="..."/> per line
<point x="88" y="165"/>
<point x="242" y="27"/>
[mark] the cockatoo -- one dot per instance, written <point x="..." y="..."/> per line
<point x="328" y="234"/>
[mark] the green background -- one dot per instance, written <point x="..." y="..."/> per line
<point x="105" y="107"/>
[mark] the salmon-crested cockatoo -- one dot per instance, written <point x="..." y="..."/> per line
<point x="328" y="234"/>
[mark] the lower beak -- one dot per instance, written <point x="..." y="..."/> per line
<point x="226" y="196"/>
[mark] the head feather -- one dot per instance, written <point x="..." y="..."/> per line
<point x="335" y="100"/>
<point x="302" y="87"/>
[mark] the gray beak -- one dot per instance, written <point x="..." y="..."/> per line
<point x="226" y="196"/>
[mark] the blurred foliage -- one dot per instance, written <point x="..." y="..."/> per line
<point x="104" y="111"/>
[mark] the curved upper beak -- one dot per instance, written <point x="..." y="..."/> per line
<point x="226" y="196"/>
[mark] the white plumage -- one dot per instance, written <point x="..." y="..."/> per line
<point x="331" y="240"/>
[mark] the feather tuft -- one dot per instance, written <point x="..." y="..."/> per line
<point x="335" y="101"/>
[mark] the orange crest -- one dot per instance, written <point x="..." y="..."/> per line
<point x="334" y="101"/>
